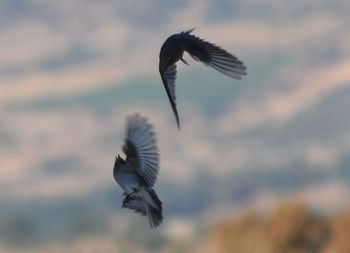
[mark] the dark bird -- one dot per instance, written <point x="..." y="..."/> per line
<point x="138" y="172"/>
<point x="201" y="50"/>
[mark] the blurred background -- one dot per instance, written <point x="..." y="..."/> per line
<point x="260" y="165"/>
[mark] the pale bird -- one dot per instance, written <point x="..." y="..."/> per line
<point x="138" y="172"/>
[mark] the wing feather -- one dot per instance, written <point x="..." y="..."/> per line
<point x="141" y="148"/>
<point x="214" y="56"/>
<point x="168" y="78"/>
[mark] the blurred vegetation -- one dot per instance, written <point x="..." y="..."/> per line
<point x="289" y="229"/>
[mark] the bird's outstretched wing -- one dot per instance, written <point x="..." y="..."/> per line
<point x="168" y="78"/>
<point x="141" y="148"/>
<point x="213" y="56"/>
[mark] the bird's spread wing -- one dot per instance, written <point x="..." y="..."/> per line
<point x="138" y="206"/>
<point x="168" y="78"/>
<point x="141" y="148"/>
<point x="213" y="56"/>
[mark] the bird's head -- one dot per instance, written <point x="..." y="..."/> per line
<point x="118" y="160"/>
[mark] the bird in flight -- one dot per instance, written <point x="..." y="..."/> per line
<point x="137" y="174"/>
<point x="211" y="55"/>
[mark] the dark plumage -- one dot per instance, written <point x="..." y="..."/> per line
<point x="138" y="173"/>
<point x="201" y="50"/>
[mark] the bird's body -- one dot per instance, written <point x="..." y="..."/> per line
<point x="126" y="176"/>
<point x="171" y="52"/>
<point x="211" y="55"/>
<point x="137" y="174"/>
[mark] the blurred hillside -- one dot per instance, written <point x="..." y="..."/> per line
<point x="289" y="229"/>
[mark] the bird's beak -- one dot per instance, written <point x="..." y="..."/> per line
<point x="123" y="204"/>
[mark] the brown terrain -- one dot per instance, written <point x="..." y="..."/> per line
<point x="289" y="229"/>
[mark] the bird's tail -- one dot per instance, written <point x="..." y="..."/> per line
<point x="153" y="207"/>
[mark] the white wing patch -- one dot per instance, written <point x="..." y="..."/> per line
<point x="138" y="206"/>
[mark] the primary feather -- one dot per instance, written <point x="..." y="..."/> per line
<point x="141" y="148"/>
